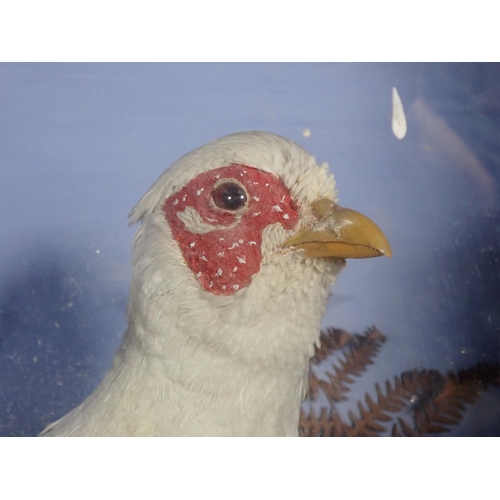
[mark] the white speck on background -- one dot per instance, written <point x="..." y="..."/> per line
<point x="306" y="132"/>
<point x="398" y="115"/>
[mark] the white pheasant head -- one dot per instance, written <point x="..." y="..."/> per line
<point x="239" y="245"/>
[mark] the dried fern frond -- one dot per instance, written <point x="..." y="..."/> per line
<point x="359" y="352"/>
<point x="330" y="340"/>
<point x="328" y="424"/>
<point x="434" y="415"/>
<point x="430" y="401"/>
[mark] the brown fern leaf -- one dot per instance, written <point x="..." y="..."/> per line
<point x="420" y="392"/>
<point x="447" y="407"/>
<point x="432" y="400"/>
<point x="331" y="339"/>
<point x="314" y="384"/>
<point x="329" y="424"/>
<point x="438" y="401"/>
<point x="407" y="430"/>
<point x="360" y="351"/>
<point x="371" y="416"/>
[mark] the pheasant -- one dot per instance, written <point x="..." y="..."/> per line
<point x="239" y="244"/>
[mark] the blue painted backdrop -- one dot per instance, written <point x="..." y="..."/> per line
<point x="81" y="143"/>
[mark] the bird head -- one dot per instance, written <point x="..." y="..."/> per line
<point x="246" y="228"/>
<point x="239" y="244"/>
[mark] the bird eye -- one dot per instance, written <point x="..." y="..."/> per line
<point x="229" y="196"/>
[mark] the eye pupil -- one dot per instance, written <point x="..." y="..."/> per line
<point x="229" y="196"/>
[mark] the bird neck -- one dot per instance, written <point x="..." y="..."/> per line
<point x="238" y="365"/>
<point x="199" y="363"/>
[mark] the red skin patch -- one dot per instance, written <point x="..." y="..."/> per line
<point x="224" y="260"/>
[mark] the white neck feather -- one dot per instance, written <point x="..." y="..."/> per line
<point x="192" y="363"/>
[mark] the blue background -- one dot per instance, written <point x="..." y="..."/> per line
<point x="81" y="143"/>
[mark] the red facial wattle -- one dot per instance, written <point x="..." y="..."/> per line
<point x="225" y="258"/>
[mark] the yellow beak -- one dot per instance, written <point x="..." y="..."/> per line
<point x="340" y="232"/>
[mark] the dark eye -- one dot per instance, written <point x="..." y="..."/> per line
<point x="229" y="196"/>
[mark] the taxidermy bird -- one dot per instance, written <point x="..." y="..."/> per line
<point x="239" y="244"/>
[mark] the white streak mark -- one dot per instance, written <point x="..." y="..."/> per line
<point x="235" y="287"/>
<point x="242" y="260"/>
<point x="199" y="191"/>
<point x="203" y="258"/>
<point x="192" y="244"/>
<point x="194" y="222"/>
<point x="240" y="241"/>
<point x="220" y="254"/>
<point x="277" y="208"/>
<point x="252" y="243"/>
<point x="256" y="214"/>
<point x="235" y="269"/>
<point x="175" y="202"/>
<point x="234" y="245"/>
<point x="221" y="239"/>
<point x="398" y="115"/>
<point x="184" y="197"/>
<point x="219" y="272"/>
<point x="256" y="198"/>
<point x="198" y="274"/>
<point x="286" y="216"/>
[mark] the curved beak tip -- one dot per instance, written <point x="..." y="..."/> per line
<point x="387" y="252"/>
